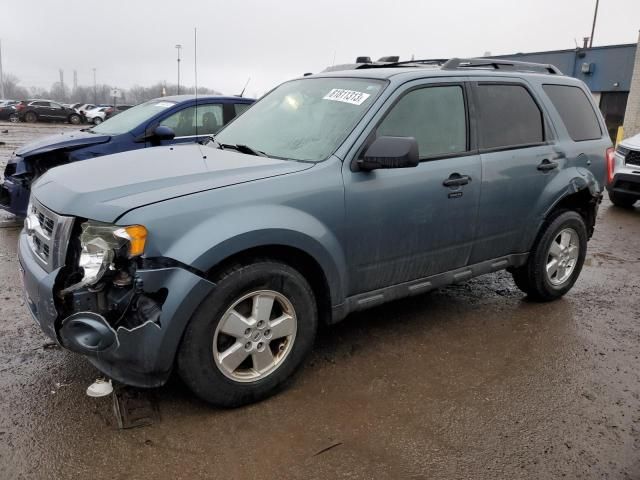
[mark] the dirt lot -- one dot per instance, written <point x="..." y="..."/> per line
<point x="471" y="381"/>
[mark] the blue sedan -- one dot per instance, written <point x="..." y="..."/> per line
<point x="162" y="121"/>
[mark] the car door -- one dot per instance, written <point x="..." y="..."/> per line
<point x="519" y="159"/>
<point x="42" y="109"/>
<point x="194" y="123"/>
<point x="57" y="111"/>
<point x="406" y="224"/>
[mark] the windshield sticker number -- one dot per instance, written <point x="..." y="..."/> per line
<point x="346" y="96"/>
<point x="163" y="104"/>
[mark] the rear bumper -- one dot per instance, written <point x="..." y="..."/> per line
<point x="142" y="356"/>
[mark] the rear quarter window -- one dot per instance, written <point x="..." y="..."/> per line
<point x="575" y="110"/>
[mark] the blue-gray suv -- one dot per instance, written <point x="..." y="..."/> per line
<point x="334" y="193"/>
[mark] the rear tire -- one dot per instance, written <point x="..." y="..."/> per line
<point x="556" y="258"/>
<point x="31" y="117"/>
<point x="97" y="121"/>
<point x="622" y="200"/>
<point x="232" y="352"/>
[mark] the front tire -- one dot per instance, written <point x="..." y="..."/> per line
<point x="31" y="117"/>
<point x="249" y="335"/>
<point x="622" y="200"/>
<point x="74" y="119"/>
<point x="556" y="259"/>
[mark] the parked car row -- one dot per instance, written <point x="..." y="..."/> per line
<point x="40" y="110"/>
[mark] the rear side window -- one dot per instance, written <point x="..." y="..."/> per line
<point x="576" y="111"/>
<point x="240" y="108"/>
<point x="508" y="116"/>
<point x="434" y="116"/>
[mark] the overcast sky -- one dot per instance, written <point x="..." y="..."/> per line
<point x="133" y="42"/>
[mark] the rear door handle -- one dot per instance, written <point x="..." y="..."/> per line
<point x="547" y="165"/>
<point x="456" y="180"/>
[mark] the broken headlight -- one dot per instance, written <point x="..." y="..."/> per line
<point x="101" y="244"/>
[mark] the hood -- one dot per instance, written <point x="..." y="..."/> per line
<point x="64" y="140"/>
<point x="632" y="142"/>
<point x="104" y="188"/>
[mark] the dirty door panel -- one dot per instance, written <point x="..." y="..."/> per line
<point x="512" y="136"/>
<point x="405" y="223"/>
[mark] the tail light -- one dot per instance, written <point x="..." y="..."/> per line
<point x="611" y="160"/>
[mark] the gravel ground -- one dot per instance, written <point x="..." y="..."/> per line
<point x="471" y="381"/>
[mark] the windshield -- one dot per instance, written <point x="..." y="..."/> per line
<point x="304" y="119"/>
<point x="131" y="118"/>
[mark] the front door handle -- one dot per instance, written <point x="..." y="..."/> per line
<point x="456" y="180"/>
<point x="547" y="165"/>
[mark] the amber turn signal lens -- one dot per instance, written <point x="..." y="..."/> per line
<point x="137" y="237"/>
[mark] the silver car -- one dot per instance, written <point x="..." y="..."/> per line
<point x="623" y="171"/>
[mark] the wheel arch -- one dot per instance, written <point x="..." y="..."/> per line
<point x="576" y="190"/>
<point x="298" y="259"/>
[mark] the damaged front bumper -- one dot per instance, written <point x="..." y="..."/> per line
<point x="142" y="355"/>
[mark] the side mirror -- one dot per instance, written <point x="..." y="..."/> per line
<point x="390" y="152"/>
<point x="162" y="132"/>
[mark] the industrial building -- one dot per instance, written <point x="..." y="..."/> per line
<point x="607" y="70"/>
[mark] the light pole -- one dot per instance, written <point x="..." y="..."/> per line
<point x="95" y="88"/>
<point x="178" y="47"/>
<point x="593" y="27"/>
<point x="1" y="76"/>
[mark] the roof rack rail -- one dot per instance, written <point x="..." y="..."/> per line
<point x="405" y="63"/>
<point x="461" y="63"/>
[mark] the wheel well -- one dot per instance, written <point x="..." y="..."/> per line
<point x="582" y="202"/>
<point x="293" y="257"/>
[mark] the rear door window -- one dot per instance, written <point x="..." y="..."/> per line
<point x="508" y="117"/>
<point x="576" y="111"/>
<point x="434" y="116"/>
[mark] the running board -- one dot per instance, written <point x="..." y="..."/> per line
<point x="374" y="298"/>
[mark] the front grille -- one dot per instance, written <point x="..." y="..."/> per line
<point x="48" y="235"/>
<point x="632" y="157"/>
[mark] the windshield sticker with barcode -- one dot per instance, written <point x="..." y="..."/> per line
<point x="346" y="96"/>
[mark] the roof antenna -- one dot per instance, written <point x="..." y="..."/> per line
<point x="245" y="87"/>
<point x="195" y="69"/>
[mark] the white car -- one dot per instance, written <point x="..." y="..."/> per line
<point x="85" y="107"/>
<point x="96" y="115"/>
<point x="623" y="173"/>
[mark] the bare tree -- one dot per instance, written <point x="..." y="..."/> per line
<point x="85" y="94"/>
<point x="12" y="89"/>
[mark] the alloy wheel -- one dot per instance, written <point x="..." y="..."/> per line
<point x="254" y="336"/>
<point x="562" y="256"/>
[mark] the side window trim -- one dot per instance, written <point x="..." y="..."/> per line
<point x="547" y="134"/>
<point x="465" y="94"/>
